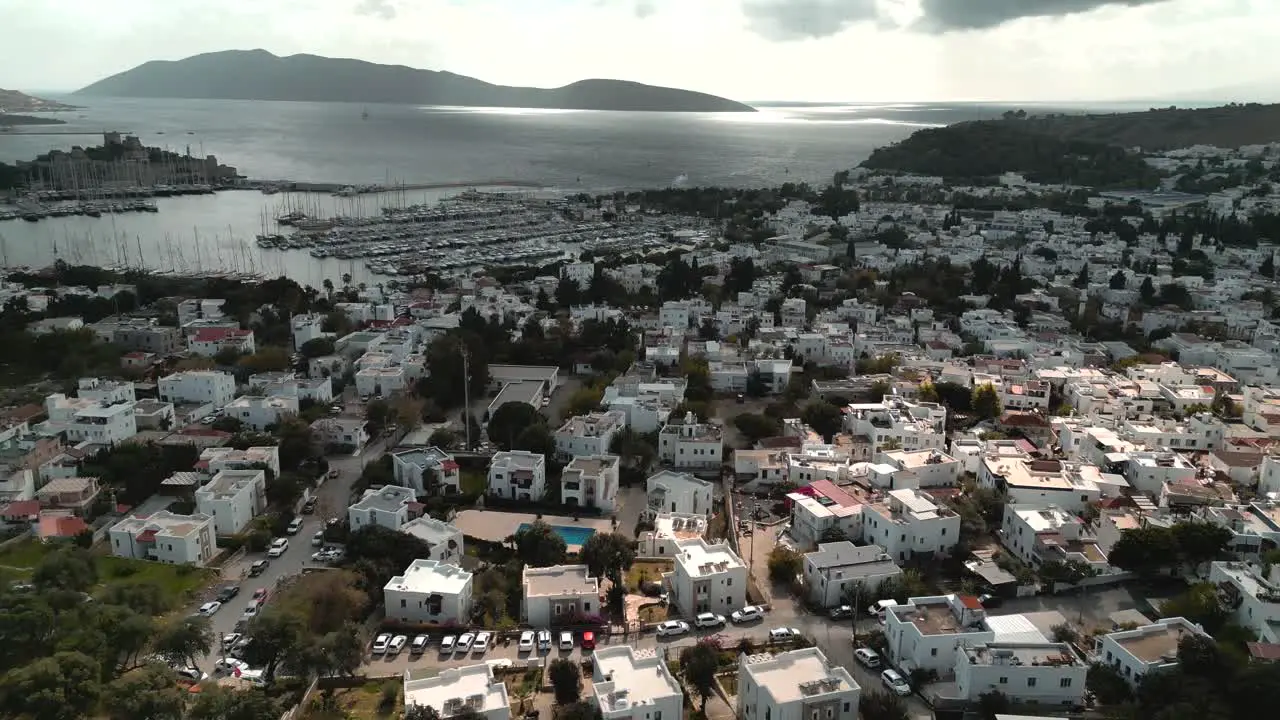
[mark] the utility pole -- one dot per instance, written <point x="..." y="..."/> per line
<point x="466" y="392"/>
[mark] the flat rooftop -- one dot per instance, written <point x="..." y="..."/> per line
<point x="1028" y="654"/>
<point x="429" y="576"/>
<point x="389" y="498"/>
<point x="591" y="465"/>
<point x="1153" y="643"/>
<point x="560" y="580"/>
<point x="700" y="558"/>
<point x="797" y="675"/>
<point x="455" y="690"/>
<point x="632" y="677"/>
<point x="525" y="391"/>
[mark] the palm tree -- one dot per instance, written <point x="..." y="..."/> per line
<point x="346" y="280"/>
<point x="328" y="286"/>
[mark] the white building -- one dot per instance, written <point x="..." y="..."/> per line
<point x="388" y="506"/>
<point x="691" y="445"/>
<point x="518" y="475"/>
<point x="429" y="592"/>
<point x="233" y="498"/>
<point x="909" y="522"/>
<point x="559" y="594"/>
<point x="1037" y="534"/>
<point x="103" y="424"/>
<point x="445" y="540"/>
<point x="913" y="426"/>
<point x="105" y="391"/>
<point x="795" y="685"/>
<point x="209" y="341"/>
<point x="707" y="578"/>
<point x="346" y="433"/>
<point x="307" y="328"/>
<point x="1040" y="673"/>
<point x="668" y="529"/>
<point x="921" y="468"/>
<point x="675" y="492"/>
<point x="628" y="682"/>
<point x="590" y="481"/>
<point x="836" y="569"/>
<point x="260" y="412"/>
<point x="165" y="537"/>
<point x="216" y="459"/>
<point x="1070" y="486"/>
<point x="1154" y="647"/>
<point x="589" y="434"/>
<point x="1251" y="593"/>
<point x="1147" y="472"/>
<point x="198" y="386"/>
<point x="453" y="691"/>
<point x="926" y="632"/>
<point x="423" y="467"/>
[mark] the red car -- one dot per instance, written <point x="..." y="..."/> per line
<point x="260" y="594"/>
<point x="588" y="640"/>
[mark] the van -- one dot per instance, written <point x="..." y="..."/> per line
<point x="877" y="610"/>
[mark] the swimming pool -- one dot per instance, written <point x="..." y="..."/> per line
<point x="571" y="535"/>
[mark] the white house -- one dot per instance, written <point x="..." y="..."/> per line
<point x="216" y="459"/>
<point x="209" y="341"/>
<point x="1070" y="486"/>
<point x="518" y="475"/>
<point x="708" y="577"/>
<point x="103" y="424"/>
<point x="390" y="506"/>
<point x="835" y="569"/>
<point x="165" y="537"/>
<point x="105" y="391"/>
<point x="307" y="328"/>
<point x="429" y="592"/>
<point x="1134" y="653"/>
<point x="455" y="690"/>
<point x="668" y="529"/>
<point x="921" y="468"/>
<point x="913" y="426"/>
<point x="198" y="386"/>
<point x="1039" y="673"/>
<point x="559" y="595"/>
<point x="1037" y="534"/>
<point x="1251" y="593"/>
<point x="691" y="445"/>
<point x="909" y="522"/>
<point x="411" y="464"/>
<point x="628" y="681"/>
<point x="590" y="481"/>
<point x="445" y="540"/>
<point x="259" y="412"/>
<point x="926" y="632"/>
<point x="676" y="492"/>
<point x="795" y="685"/>
<point x="340" y="432"/>
<point x="590" y="434"/>
<point x="233" y="498"/>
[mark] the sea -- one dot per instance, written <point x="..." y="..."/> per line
<point x="558" y="151"/>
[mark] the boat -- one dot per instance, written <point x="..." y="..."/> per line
<point x="365" y="115"/>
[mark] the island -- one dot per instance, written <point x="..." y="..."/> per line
<point x="260" y="75"/>
<point x="8" y="120"/>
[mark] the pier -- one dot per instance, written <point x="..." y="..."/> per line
<point x="289" y="185"/>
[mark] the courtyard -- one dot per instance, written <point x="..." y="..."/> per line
<point x="496" y="525"/>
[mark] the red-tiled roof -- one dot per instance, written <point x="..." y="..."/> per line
<point x="219" y="334"/>
<point x="21" y="508"/>
<point x="449" y="465"/>
<point x="828" y="489"/>
<point x="1264" y="651"/>
<point x="970" y="602"/>
<point x="148" y="535"/>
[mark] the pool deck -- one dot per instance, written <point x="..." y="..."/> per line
<point x="496" y="525"/>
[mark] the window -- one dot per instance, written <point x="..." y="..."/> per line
<point x="657" y="715"/>
<point x="933" y="652"/>
<point x="403" y="603"/>
<point x="728" y="581"/>
<point x="767" y="713"/>
<point x="846" y="707"/>
<point x="1064" y="682"/>
<point x="1031" y="682"/>
<point x="1004" y="681"/>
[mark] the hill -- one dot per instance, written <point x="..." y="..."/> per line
<point x="975" y="151"/>
<point x="1163" y="129"/>
<point x="13" y="101"/>
<point x="10" y="120"/>
<point x="259" y="75"/>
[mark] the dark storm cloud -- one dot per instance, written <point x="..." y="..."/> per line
<point x="377" y="8"/>
<point x="804" y="19"/>
<point x="942" y="16"/>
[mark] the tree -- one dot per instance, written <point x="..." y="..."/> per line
<point x="1200" y="604"/>
<point x="1200" y="542"/>
<point x="218" y="703"/>
<point x="784" y="564"/>
<point x="537" y="439"/>
<point x="183" y="640"/>
<point x="581" y="710"/>
<point x="698" y="665"/>
<point x="539" y="546"/>
<point x="1082" y="280"/>
<point x="1144" y="550"/>
<point x="377" y="415"/>
<point x="509" y="421"/>
<point x="316" y="347"/>
<point x="986" y="402"/>
<point x="421" y="712"/>
<point x="63" y="686"/>
<point x="583" y="401"/>
<point x="1070" y="571"/>
<point x="1107" y="684"/>
<point x="1147" y="291"/>
<point x="68" y="569"/>
<point x="882" y="705"/>
<point x="443" y="438"/>
<point x="150" y="693"/>
<point x="755" y="427"/>
<point x="992" y="704"/>
<point x="823" y="417"/>
<point x="608" y="555"/>
<point x="275" y="636"/>
<point x="565" y="680"/>
<point x="1118" y="280"/>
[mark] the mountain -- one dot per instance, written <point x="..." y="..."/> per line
<point x="1228" y="126"/>
<point x="12" y="101"/>
<point x="259" y="75"/>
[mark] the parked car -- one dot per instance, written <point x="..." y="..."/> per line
<point x="251" y="610"/>
<point x="990" y="601"/>
<point x="294" y="526"/>
<point x="446" y="645"/>
<point x="260" y="595"/>
<point x="230" y="639"/>
<point x="877" y="610"/>
<point x="867" y="657"/>
<point x="673" y="627"/>
<point x="588" y="640"/>
<point x="317" y="540"/>
<point x="843" y="611"/>
<point x="229" y="665"/>
<point x="481" y="643"/>
<point x="783" y="634"/>
<point x="397" y="644"/>
<point x="419" y="645"/>
<point x="464" y="643"/>
<point x="544" y="639"/>
<point x="228" y="592"/>
<point x="566" y="641"/>
<point x="895" y="682"/>
<point x="708" y="620"/>
<point x="380" y="643"/>
<point x="191" y="673"/>
<point x="750" y="613"/>
<point x="209" y="608"/>
<point x="278" y="546"/>
<point x="258" y="567"/>
<point x="309" y="506"/>
<point x="526" y="642"/>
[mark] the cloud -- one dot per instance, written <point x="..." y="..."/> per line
<point x="806" y="19"/>
<point x="377" y="8"/>
<point x="645" y="8"/>
<point x="941" y="16"/>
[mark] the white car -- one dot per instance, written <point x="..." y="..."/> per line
<point x="526" y="641"/>
<point x="419" y="645"/>
<point x="191" y="673"/>
<point x="464" y="643"/>
<point x="317" y="540"/>
<point x="481" y="643"/>
<point x="380" y="643"/>
<point x="209" y="608"/>
<point x="544" y="639"/>
<point x="251" y="610"/>
<point x="673" y="627"/>
<point x="750" y="613"/>
<point x="708" y="620"/>
<point x="397" y="644"/>
<point x="783" y="634"/>
<point x="230" y="639"/>
<point x="867" y="657"/>
<point x="294" y="526"/>
<point x="566" y="641"/>
<point x="446" y="645"/>
<point x="895" y="682"/>
<point x="229" y="665"/>
<point x="278" y="546"/>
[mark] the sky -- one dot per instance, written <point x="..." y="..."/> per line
<point x="750" y="50"/>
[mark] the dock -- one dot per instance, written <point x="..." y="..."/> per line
<point x="289" y="185"/>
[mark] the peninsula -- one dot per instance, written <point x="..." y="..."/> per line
<point x="260" y="75"/>
<point x="13" y="101"/>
